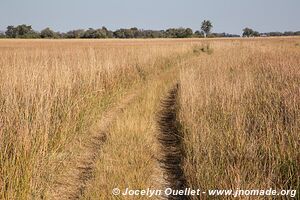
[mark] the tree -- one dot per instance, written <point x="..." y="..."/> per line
<point x="102" y="33"/>
<point x="248" y="32"/>
<point x="2" y="35"/>
<point x="48" y="33"/>
<point x="92" y="33"/>
<point x="21" y="31"/>
<point x="126" y="33"/>
<point x="274" y="34"/>
<point x="10" y="32"/>
<point x="188" y="32"/>
<point x="171" y="33"/>
<point x="119" y="33"/>
<point x="32" y="34"/>
<point x="199" y="34"/>
<point x="288" y="33"/>
<point x="153" y="34"/>
<point x="108" y="33"/>
<point x="75" y="33"/>
<point x="178" y="33"/>
<point x="206" y="27"/>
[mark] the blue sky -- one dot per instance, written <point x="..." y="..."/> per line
<point x="227" y="16"/>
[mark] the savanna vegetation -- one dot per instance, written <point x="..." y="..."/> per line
<point x="52" y="91"/>
<point x="27" y="32"/>
<point x="238" y="109"/>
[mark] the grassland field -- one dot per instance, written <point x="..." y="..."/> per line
<point x="81" y="117"/>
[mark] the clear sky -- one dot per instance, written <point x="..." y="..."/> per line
<point x="227" y="15"/>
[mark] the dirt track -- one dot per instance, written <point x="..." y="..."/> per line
<point x="79" y="171"/>
<point x="170" y="138"/>
<point x="72" y="182"/>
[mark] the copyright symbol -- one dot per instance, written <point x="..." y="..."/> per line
<point x="116" y="191"/>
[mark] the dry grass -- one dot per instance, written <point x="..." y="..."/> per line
<point x="240" y="108"/>
<point x="50" y="94"/>
<point x="129" y="158"/>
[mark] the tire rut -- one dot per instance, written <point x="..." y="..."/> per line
<point x="71" y="184"/>
<point x="170" y="139"/>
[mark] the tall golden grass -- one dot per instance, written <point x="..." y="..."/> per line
<point x="51" y="92"/>
<point x="240" y="107"/>
<point x="129" y="157"/>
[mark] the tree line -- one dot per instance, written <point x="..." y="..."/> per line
<point x="248" y="32"/>
<point x="26" y="31"/>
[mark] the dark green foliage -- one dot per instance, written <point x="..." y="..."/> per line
<point x="97" y="33"/>
<point x="153" y="34"/>
<point x="75" y="33"/>
<point x="48" y="33"/>
<point x="169" y="33"/>
<point x="199" y="34"/>
<point x="287" y="33"/>
<point x="26" y="31"/>
<point x="223" y="35"/>
<point x="92" y="33"/>
<point x="248" y="32"/>
<point x="2" y="35"/>
<point x="125" y="33"/>
<point x="21" y="31"/>
<point x="179" y="33"/>
<point x="10" y="32"/>
<point x="206" y="27"/>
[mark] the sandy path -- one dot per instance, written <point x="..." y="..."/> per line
<point x="71" y="183"/>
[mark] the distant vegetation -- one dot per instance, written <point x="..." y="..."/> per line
<point x="26" y="31"/>
<point x="248" y="32"/>
<point x="78" y="118"/>
<point x="206" y="27"/>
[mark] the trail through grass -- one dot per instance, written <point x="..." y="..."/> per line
<point x="129" y="157"/>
